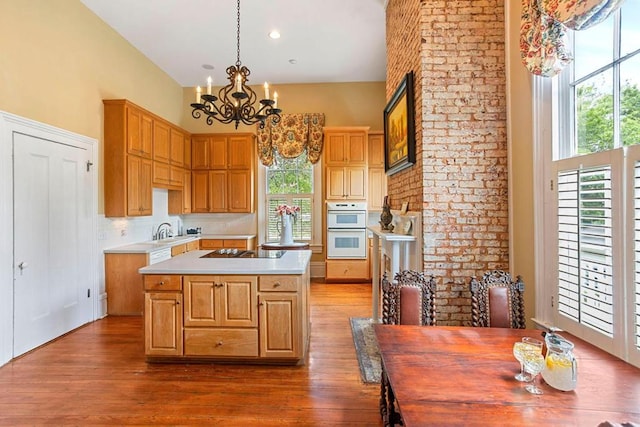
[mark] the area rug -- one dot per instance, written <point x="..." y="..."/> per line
<point x="366" y="349"/>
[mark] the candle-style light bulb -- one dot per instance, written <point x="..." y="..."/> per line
<point x="209" y="81"/>
<point x="198" y="93"/>
<point x="275" y="99"/>
<point x="238" y="83"/>
<point x="266" y="90"/>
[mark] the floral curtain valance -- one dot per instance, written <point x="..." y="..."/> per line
<point x="544" y="25"/>
<point x="292" y="136"/>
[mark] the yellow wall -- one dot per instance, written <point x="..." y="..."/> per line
<point x="521" y="155"/>
<point x="344" y="104"/>
<point x="58" y="61"/>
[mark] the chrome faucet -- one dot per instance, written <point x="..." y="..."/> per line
<point x="163" y="231"/>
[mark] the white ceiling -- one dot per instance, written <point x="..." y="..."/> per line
<point x="329" y="40"/>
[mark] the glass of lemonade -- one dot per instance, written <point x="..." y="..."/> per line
<point x="533" y="362"/>
<point x="519" y="347"/>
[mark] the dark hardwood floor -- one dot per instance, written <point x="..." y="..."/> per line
<point x="97" y="375"/>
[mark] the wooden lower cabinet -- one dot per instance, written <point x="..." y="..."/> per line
<point x="352" y="269"/>
<point x="248" y="244"/>
<point x="279" y="323"/>
<point x="123" y="283"/>
<point x="245" y="318"/>
<point x="163" y="316"/>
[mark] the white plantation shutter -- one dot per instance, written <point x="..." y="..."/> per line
<point x="585" y="277"/>
<point x="303" y="224"/>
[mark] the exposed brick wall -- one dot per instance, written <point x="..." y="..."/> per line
<point x="461" y="179"/>
<point x="403" y="55"/>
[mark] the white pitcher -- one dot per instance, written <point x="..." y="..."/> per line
<point x="286" y="230"/>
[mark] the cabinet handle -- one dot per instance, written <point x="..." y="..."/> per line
<point x="160" y="283"/>
<point x="177" y="302"/>
<point x="275" y="285"/>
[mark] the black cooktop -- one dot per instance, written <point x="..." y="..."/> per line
<point x="242" y="253"/>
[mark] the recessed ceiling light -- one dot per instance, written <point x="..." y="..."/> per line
<point x="207" y="66"/>
<point x="293" y="61"/>
<point x="275" y="34"/>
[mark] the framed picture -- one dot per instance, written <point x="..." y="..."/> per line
<point x="399" y="128"/>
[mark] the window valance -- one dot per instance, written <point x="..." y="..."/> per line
<point x="544" y="25"/>
<point x="292" y="136"/>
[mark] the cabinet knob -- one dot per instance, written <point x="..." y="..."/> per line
<point x="219" y="343"/>
<point x="177" y="302"/>
<point x="160" y="283"/>
<point x="275" y="285"/>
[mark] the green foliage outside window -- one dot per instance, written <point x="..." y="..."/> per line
<point x="595" y="117"/>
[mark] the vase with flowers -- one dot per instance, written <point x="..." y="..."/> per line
<point x="288" y="215"/>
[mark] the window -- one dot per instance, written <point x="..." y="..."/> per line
<point x="596" y="172"/>
<point x="290" y="182"/>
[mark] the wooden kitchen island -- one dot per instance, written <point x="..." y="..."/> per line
<point x="249" y="310"/>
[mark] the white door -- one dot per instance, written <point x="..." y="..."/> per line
<point x="52" y="240"/>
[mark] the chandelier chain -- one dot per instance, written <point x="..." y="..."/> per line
<point x="238" y="63"/>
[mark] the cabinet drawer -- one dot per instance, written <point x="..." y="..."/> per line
<point x="235" y="243"/>
<point x="211" y="244"/>
<point x="178" y="249"/>
<point x="279" y="283"/>
<point x="193" y="246"/>
<point x="220" y="342"/>
<point x="352" y="269"/>
<point x="162" y="282"/>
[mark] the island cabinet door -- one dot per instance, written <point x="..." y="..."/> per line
<point x="163" y="324"/>
<point x="220" y="301"/>
<point x="279" y="325"/>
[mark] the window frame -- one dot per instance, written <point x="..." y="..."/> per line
<point x="550" y="126"/>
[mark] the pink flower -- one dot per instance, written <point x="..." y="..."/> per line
<point x="288" y="210"/>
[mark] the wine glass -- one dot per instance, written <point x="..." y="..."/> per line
<point x="519" y="347"/>
<point x="533" y="364"/>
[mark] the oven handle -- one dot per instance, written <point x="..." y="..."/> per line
<point x="347" y="229"/>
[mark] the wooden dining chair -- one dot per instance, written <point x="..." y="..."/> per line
<point x="407" y="300"/>
<point x="497" y="301"/>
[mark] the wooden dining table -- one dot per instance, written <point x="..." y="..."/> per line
<point x="447" y="375"/>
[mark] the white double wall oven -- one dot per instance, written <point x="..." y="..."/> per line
<point x="346" y="230"/>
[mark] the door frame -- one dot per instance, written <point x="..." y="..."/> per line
<point x="10" y="124"/>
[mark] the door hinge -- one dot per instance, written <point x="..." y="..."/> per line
<point x="89" y="164"/>
<point x="88" y="293"/>
<point x="551" y="184"/>
<point x="552" y="301"/>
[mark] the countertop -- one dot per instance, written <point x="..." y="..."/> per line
<point x="155" y="245"/>
<point x="292" y="262"/>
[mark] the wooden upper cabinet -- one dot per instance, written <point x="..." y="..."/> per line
<point x="222" y="151"/>
<point x="139" y="132"/>
<point x="346" y="183"/>
<point x="200" y="148"/>
<point x="218" y="191"/>
<point x="176" y="147"/>
<point x="346" y="146"/>
<point x="139" y="192"/>
<point x="376" y="149"/>
<point x="187" y="151"/>
<point x="241" y="150"/>
<point x="229" y="160"/>
<point x="131" y="135"/>
<point x="377" y="178"/>
<point x="161" y="142"/>
<point x="218" y="152"/>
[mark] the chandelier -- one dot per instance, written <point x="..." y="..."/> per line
<point x="237" y="100"/>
